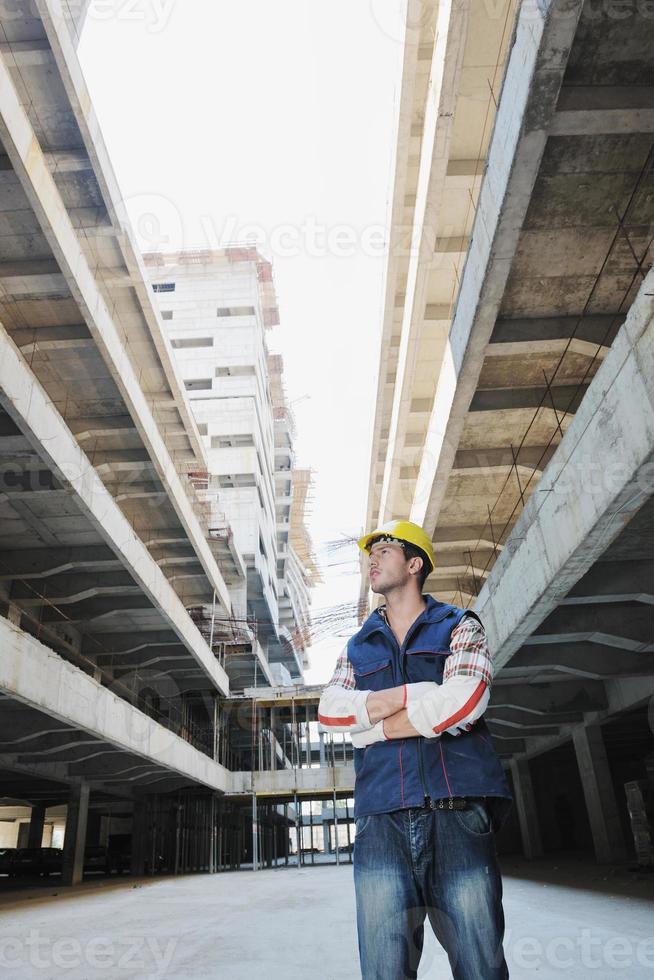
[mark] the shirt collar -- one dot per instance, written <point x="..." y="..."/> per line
<point x="433" y="612"/>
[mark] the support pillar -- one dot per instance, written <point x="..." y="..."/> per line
<point x="273" y="757"/>
<point x="338" y="859"/>
<point x="37" y="823"/>
<point x="216" y="726"/>
<point x="599" y="794"/>
<point x="532" y="844"/>
<point x="325" y="831"/>
<point x="139" y="835"/>
<point x="255" y="834"/>
<point x="297" y="831"/>
<point x="213" y="838"/>
<point x="75" y="834"/>
<point x="307" y="748"/>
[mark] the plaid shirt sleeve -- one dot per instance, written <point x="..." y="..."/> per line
<point x="343" y="675"/>
<point x="469" y="653"/>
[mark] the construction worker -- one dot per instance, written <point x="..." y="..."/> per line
<point x="411" y="688"/>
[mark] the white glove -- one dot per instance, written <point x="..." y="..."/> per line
<point x="343" y="710"/>
<point x="361" y="740"/>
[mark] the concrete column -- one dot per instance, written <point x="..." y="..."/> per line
<point x="598" y="791"/>
<point x="14" y="614"/>
<point x="139" y="837"/>
<point x="325" y="832"/>
<point x="321" y="740"/>
<point x="273" y="757"/>
<point x="525" y="802"/>
<point x="307" y="749"/>
<point x="37" y="822"/>
<point x="75" y="834"/>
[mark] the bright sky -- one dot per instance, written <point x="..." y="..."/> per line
<point x="273" y="119"/>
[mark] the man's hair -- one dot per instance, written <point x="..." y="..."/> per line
<point x="412" y="551"/>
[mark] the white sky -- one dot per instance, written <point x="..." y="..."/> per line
<point x="278" y="114"/>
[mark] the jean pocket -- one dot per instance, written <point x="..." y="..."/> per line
<point x="360" y="825"/>
<point x="476" y="819"/>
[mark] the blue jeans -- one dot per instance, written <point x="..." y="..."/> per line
<point x="441" y="864"/>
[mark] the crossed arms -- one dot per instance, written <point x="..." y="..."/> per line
<point x="423" y="708"/>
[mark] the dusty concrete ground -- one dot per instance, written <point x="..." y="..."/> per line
<point x="565" y="919"/>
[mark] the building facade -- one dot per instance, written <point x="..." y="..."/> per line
<point x="218" y="308"/>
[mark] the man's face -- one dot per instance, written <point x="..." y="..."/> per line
<point x="387" y="567"/>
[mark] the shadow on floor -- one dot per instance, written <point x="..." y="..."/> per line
<point x="578" y="869"/>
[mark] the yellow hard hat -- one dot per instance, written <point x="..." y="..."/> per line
<point x="401" y="531"/>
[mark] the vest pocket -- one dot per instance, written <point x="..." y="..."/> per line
<point x="425" y="665"/>
<point x="374" y="676"/>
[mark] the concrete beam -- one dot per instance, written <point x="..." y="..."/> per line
<point x="564" y="398"/>
<point x="34" y="675"/>
<point x="447" y="60"/>
<point x="580" y="659"/>
<point x="601" y="122"/>
<point x="594" y="329"/>
<point x="37" y="563"/>
<point x="18" y="268"/>
<point x="33" y="337"/>
<point x="127" y="643"/>
<point x="534" y="74"/>
<point x="481" y="460"/>
<point x="586" y="495"/>
<point x="31" y="410"/>
<point x="400" y="231"/>
<point x="68" y="162"/>
<point x="285" y="782"/>
<point x="465" y="168"/>
<point x="614" y="581"/>
<point x="55" y="16"/>
<point x="546" y="699"/>
<point x="23" y="149"/>
<point x="503" y="728"/>
<point x="629" y="627"/>
<point x="62" y="773"/>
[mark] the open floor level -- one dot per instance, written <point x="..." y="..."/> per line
<point x="566" y="918"/>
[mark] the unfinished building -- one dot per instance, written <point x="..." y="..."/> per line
<point x="514" y="404"/>
<point x="138" y="597"/>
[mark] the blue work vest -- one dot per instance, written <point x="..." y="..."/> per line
<point x="400" y="773"/>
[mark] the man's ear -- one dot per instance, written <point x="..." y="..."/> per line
<point x="415" y="570"/>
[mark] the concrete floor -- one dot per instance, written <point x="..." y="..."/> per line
<point x="566" y="918"/>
